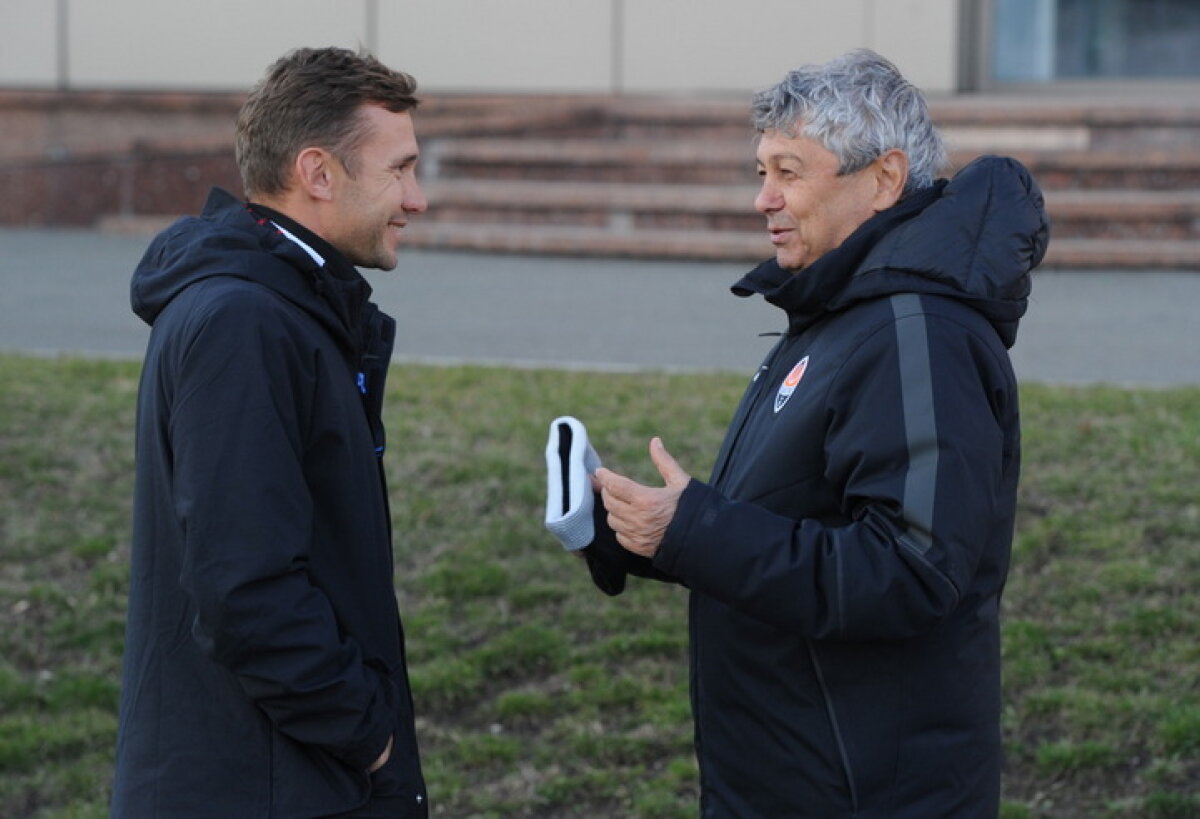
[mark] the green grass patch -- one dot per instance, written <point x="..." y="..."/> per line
<point x="537" y="695"/>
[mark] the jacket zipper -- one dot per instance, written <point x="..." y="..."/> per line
<point x="759" y="383"/>
<point x="833" y="722"/>
<point x="694" y="688"/>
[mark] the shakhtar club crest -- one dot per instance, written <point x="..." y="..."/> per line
<point x="789" y="384"/>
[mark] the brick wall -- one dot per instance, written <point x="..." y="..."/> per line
<point x="70" y="158"/>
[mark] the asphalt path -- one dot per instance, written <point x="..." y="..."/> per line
<point x="66" y="292"/>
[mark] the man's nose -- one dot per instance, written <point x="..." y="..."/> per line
<point x="414" y="198"/>
<point x="768" y="199"/>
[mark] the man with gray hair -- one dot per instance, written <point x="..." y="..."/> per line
<point x="847" y="557"/>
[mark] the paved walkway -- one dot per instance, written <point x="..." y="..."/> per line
<point x="66" y="291"/>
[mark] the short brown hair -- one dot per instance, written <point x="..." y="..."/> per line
<point x="312" y="97"/>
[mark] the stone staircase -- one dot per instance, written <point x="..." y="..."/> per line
<point x="666" y="178"/>
<point x="675" y="179"/>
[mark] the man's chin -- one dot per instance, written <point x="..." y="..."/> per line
<point x="789" y="262"/>
<point x="387" y="264"/>
<point x="389" y="257"/>
<point x="378" y="261"/>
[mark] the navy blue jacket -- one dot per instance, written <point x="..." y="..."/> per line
<point x="847" y="557"/>
<point x="264" y="659"/>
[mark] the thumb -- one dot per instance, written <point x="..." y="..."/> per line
<point x="667" y="466"/>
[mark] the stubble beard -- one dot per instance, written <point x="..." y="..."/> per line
<point x="371" y="248"/>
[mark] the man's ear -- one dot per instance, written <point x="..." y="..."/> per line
<point x="314" y="172"/>
<point x="891" y="174"/>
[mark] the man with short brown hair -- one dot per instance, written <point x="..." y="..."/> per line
<point x="264" y="670"/>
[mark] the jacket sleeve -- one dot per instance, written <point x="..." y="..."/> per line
<point x="609" y="563"/>
<point x="916" y="451"/>
<point x="236" y="431"/>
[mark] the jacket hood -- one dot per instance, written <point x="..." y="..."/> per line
<point x="228" y="239"/>
<point x="975" y="238"/>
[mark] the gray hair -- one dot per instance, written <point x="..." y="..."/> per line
<point x="858" y="106"/>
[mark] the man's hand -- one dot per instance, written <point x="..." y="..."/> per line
<point x="383" y="758"/>
<point x="640" y="514"/>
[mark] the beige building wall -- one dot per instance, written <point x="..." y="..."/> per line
<point x="501" y="45"/>
<point x="597" y="46"/>
<point x="28" y="43"/>
<point x="196" y="44"/>
<point x="679" y="45"/>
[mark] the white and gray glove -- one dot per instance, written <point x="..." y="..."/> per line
<point x="570" y="459"/>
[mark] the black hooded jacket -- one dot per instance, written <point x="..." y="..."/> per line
<point x="847" y="557"/>
<point x="264" y="659"/>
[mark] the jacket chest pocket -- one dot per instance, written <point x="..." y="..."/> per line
<point x="780" y="460"/>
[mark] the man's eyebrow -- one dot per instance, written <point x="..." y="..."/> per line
<point x="406" y="160"/>
<point x="779" y="157"/>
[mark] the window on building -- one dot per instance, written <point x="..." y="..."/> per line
<point x="1046" y="40"/>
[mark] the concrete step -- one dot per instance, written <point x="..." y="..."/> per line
<point x="741" y="247"/>
<point x="1123" y="254"/>
<point x="1124" y="214"/>
<point x="1112" y="169"/>
<point x="732" y="162"/>
<point x="57" y="124"/>
<point x="1112" y="214"/>
<point x="601" y="175"/>
<point x="593" y="160"/>
<point x="575" y="240"/>
<point x="75" y="191"/>
<point x="614" y="205"/>
<point x="750" y="247"/>
<point x="969" y="121"/>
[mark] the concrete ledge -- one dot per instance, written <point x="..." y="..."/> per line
<point x="601" y="175"/>
<point x="1096" y="254"/>
<point x="1073" y="213"/>
<point x="1115" y="254"/>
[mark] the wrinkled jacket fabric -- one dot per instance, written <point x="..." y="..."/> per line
<point x="846" y="558"/>
<point x="264" y="659"/>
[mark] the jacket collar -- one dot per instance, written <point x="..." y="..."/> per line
<point x="806" y="294"/>
<point x="334" y="277"/>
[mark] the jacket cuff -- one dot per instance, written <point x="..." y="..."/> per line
<point x="671" y="557"/>
<point x="605" y="558"/>
<point x="380" y="744"/>
<point x="609" y="563"/>
<point x="362" y="756"/>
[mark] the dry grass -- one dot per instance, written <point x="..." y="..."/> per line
<point x="540" y="697"/>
